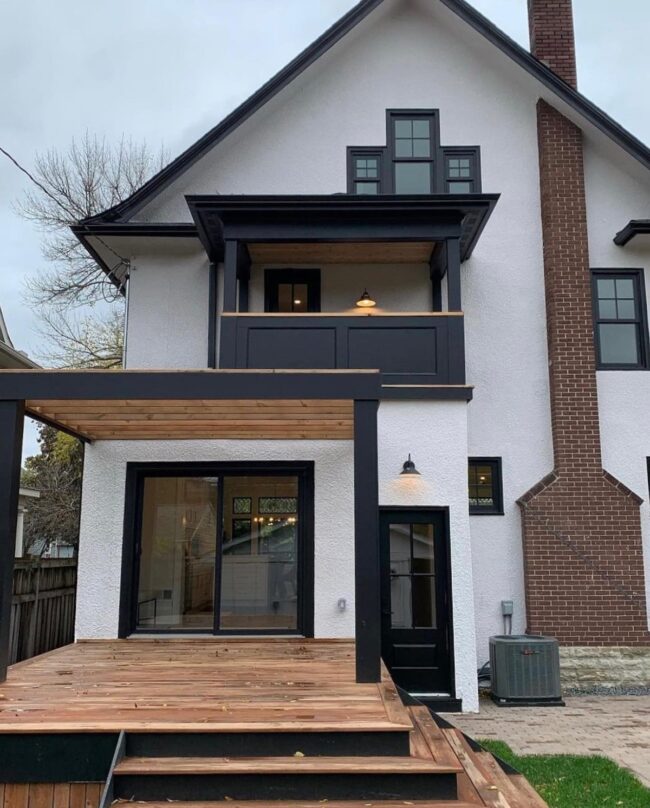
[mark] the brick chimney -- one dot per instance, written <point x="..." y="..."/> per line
<point x="583" y="557"/>
<point x="551" y="37"/>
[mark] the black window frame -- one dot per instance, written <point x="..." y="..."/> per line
<point x="274" y="277"/>
<point x="471" y="153"/>
<point x="438" y="156"/>
<point x="496" y="509"/>
<point x="433" y="117"/>
<point x="355" y="152"/>
<point x="640" y="321"/>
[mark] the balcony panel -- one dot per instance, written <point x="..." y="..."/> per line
<point x="422" y="349"/>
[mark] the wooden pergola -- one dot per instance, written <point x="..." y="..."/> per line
<point x="96" y="405"/>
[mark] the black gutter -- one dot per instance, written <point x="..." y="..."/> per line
<point x="635" y="227"/>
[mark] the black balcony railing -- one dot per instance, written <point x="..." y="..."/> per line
<point x="407" y="348"/>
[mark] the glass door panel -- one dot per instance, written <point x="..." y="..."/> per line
<point x="259" y="563"/>
<point x="177" y="553"/>
<point x="412" y="575"/>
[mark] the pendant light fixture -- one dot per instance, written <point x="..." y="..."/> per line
<point x="365" y="301"/>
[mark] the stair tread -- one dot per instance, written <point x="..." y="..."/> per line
<point x="280" y="765"/>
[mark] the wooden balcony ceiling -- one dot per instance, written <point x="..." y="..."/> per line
<point x="185" y="419"/>
<point x="389" y="252"/>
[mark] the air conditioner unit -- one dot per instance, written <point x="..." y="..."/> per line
<point x="525" y="671"/>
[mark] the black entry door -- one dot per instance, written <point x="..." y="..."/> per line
<point x="415" y="599"/>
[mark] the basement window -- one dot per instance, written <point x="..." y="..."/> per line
<point x="620" y="319"/>
<point x="485" y="485"/>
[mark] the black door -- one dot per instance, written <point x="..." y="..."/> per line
<point x="415" y="599"/>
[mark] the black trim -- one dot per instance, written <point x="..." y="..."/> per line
<point x="212" y="315"/>
<point x="56" y="757"/>
<point x="12" y="419"/>
<point x="225" y="221"/>
<point x="416" y="392"/>
<point x="268" y="744"/>
<point x="136" y="473"/>
<point x="274" y="277"/>
<point x="128" y="207"/>
<point x="73" y="385"/>
<point x="366" y="544"/>
<point x="497" y="487"/>
<point x="635" y="227"/>
<point x="641" y="321"/>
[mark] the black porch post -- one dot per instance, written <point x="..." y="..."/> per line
<point x="366" y="542"/>
<point x="12" y="416"/>
<point x="230" y="270"/>
<point x="454" y="302"/>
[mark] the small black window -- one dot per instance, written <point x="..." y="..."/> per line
<point x="292" y="290"/>
<point x="461" y="171"/>
<point x="485" y="488"/>
<point x="366" y="173"/>
<point x="621" y="328"/>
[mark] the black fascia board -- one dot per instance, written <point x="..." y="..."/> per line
<point x="71" y="385"/>
<point x="103" y="229"/>
<point x="340" y="218"/>
<point x="635" y="227"/>
<point x="128" y="207"/>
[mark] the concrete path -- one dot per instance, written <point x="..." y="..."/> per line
<point x="617" y="727"/>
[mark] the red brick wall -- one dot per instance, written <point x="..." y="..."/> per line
<point x="582" y="530"/>
<point x="550" y="23"/>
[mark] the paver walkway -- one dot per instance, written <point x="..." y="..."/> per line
<point x="617" y="727"/>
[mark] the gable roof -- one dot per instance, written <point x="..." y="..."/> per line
<point x="124" y="210"/>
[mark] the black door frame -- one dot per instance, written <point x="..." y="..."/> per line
<point x="135" y="475"/>
<point x="421" y="510"/>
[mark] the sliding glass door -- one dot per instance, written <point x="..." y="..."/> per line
<point x="219" y="552"/>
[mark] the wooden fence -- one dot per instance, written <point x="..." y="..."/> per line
<point x="43" y="606"/>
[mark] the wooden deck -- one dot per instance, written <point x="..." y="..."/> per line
<point x="197" y="685"/>
<point x="240" y="719"/>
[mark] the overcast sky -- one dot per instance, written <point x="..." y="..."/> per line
<point x="168" y="70"/>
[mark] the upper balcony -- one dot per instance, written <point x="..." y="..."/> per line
<point x="293" y="268"/>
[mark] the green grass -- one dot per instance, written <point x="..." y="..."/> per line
<point x="572" y="781"/>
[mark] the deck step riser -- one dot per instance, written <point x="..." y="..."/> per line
<point x="281" y="744"/>
<point x="285" y="787"/>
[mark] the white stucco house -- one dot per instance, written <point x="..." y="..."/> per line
<point x="386" y="361"/>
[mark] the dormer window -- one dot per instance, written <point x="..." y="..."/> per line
<point x="413" y="150"/>
<point x="413" y="162"/>
<point x="366" y="171"/>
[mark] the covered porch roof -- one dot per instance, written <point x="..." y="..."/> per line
<point x="263" y="223"/>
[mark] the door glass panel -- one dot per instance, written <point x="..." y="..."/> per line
<point x="424" y="601"/>
<point x="400" y="549"/>
<point x="178" y="537"/>
<point x="400" y="601"/>
<point x="259" y="576"/>
<point x="412" y="575"/>
<point x="423" y="548"/>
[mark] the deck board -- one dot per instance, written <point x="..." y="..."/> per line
<point x="197" y="685"/>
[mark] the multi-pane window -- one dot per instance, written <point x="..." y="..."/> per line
<point x="620" y="319"/>
<point x="413" y="152"/>
<point x="366" y="170"/>
<point x="484" y="485"/>
<point x="459" y="173"/>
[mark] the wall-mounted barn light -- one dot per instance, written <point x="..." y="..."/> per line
<point x="409" y="467"/>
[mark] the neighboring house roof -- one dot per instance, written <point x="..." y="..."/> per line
<point x="10" y="358"/>
<point x="585" y="108"/>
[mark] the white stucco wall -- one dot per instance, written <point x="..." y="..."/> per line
<point x="616" y="193"/>
<point x="102" y="521"/>
<point x="435" y="432"/>
<point x="168" y="308"/>
<point x="420" y="55"/>
<point x="395" y="287"/>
